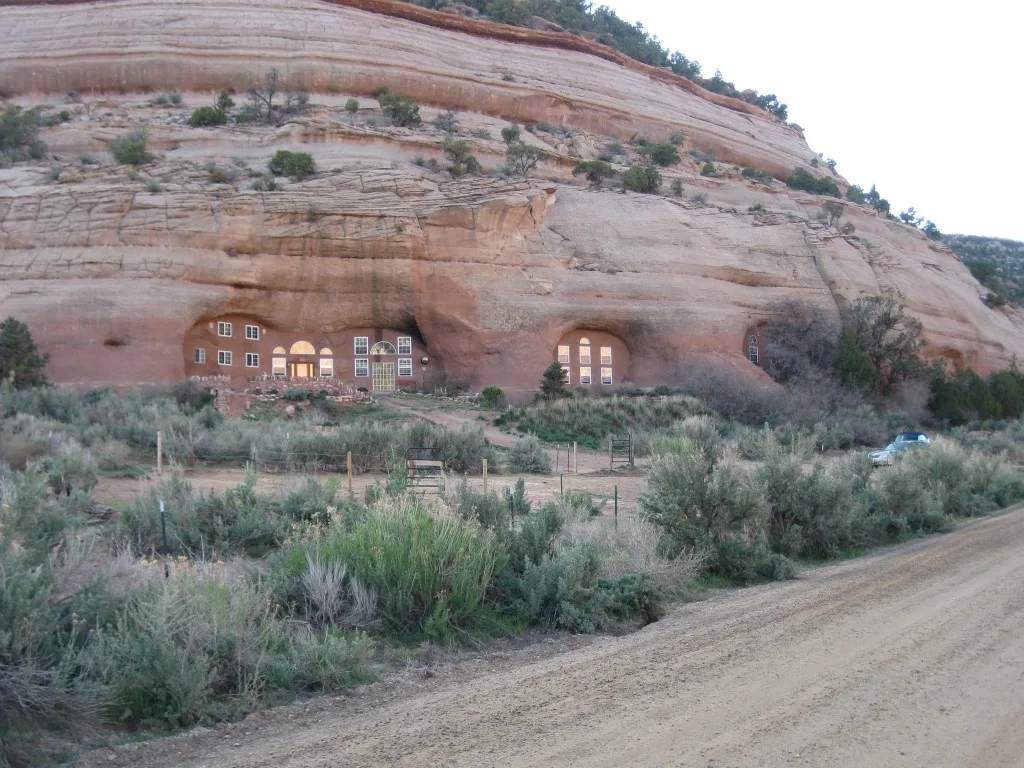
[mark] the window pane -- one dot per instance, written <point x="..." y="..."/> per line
<point x="252" y="360"/>
<point x="223" y="329"/>
<point x="568" y="375"/>
<point x="606" y="375"/>
<point x="584" y="355"/>
<point x="405" y="367"/>
<point x="606" y="355"/>
<point x="278" y="363"/>
<point x="585" y="376"/>
<point x="252" y="332"/>
<point x="563" y="354"/>
<point x="362" y="345"/>
<point x="362" y="367"/>
<point x="200" y="355"/>
<point x="752" y="354"/>
<point x="224" y="357"/>
<point x="405" y="345"/>
<point x="327" y="366"/>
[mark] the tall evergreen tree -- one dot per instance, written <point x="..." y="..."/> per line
<point x="20" y="361"/>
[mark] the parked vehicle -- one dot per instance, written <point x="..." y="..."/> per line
<point x="904" y="441"/>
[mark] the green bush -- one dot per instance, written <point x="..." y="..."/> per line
<point x="492" y="398"/>
<point x="642" y="177"/>
<point x="296" y="165"/>
<point x="130" y="148"/>
<point x="596" y="171"/>
<point x="19" y="131"/>
<point x="521" y="158"/>
<point x="708" y="169"/>
<point x="761" y="176"/>
<point x="803" y="179"/>
<point x="660" y="154"/>
<point x="20" y="361"/>
<point x="208" y="116"/>
<point x="528" y="455"/>
<point x="401" y="110"/>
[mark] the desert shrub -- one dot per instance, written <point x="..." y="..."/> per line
<point x="803" y="179"/>
<point x="660" y="154"/>
<point x="71" y="468"/>
<point x="521" y="158"/>
<point x="677" y="187"/>
<point x="208" y="116"/>
<point x="296" y="165"/>
<point x="642" y="177"/>
<point x="510" y="133"/>
<point x="401" y="110"/>
<point x="20" y="362"/>
<point x="596" y="171"/>
<point x="492" y="398"/>
<point x="458" y="155"/>
<point x="19" y="131"/>
<point x="528" y="455"/>
<point x="761" y="176"/>
<point x="442" y="590"/>
<point x="130" y="148"/>
<point x="708" y="169"/>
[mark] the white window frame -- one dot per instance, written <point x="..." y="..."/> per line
<point x="252" y="332"/>
<point x="224" y="329"/>
<point x="584" y="354"/>
<point x="326" y="367"/>
<point x="585" y="375"/>
<point x="564" y="354"/>
<point x="404" y="367"/>
<point x="199" y="356"/>
<point x="606" y="355"/>
<point x="224" y="357"/>
<point x="606" y="377"/>
<point x="363" y="364"/>
<point x="405" y="345"/>
<point x="361" y="345"/>
<point x="568" y="374"/>
<point x="252" y="360"/>
<point x="278" y="366"/>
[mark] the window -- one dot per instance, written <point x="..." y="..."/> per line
<point x="405" y="345"/>
<point x="606" y="355"/>
<point x="585" y="354"/>
<point x="752" y="354"/>
<point x="326" y="366"/>
<point x="568" y="374"/>
<point x="325" y="352"/>
<point x="584" y="342"/>
<point x="279" y="350"/>
<point x="362" y="346"/>
<point x="252" y="332"/>
<point x="383" y="348"/>
<point x="362" y="367"/>
<point x="199" y="355"/>
<point x="252" y="360"/>
<point x="606" y="375"/>
<point x="302" y="348"/>
<point x="277" y="366"/>
<point x="404" y="366"/>
<point x="224" y="329"/>
<point x="223" y="357"/>
<point x="563" y="354"/>
<point x="585" y="376"/>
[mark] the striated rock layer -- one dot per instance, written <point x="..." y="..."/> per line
<point x="110" y="270"/>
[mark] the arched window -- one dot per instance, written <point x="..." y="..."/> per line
<point x="279" y="350"/>
<point x="302" y="348"/>
<point x="584" y="340"/>
<point x="383" y="348"/>
<point x="325" y="351"/>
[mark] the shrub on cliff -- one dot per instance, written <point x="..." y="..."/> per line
<point x="297" y="165"/>
<point x="660" y="154"/>
<point x="19" y="130"/>
<point x="596" y="171"/>
<point x="521" y="158"/>
<point x="20" y="361"/>
<point x="402" y="110"/>
<point x="642" y="177"/>
<point x="130" y="149"/>
<point x="458" y="155"/>
<point x="803" y="179"/>
<point x="208" y="116"/>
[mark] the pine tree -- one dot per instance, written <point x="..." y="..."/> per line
<point x="20" y="361"/>
<point x="552" y="384"/>
<point x="852" y="364"/>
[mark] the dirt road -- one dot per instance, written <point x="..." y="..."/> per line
<point x="912" y="657"/>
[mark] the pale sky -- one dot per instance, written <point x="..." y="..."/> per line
<point x="923" y="99"/>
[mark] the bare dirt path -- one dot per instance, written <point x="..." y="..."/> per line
<point x="911" y="657"/>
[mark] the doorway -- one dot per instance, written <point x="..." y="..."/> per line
<point x="302" y="370"/>
<point x="383" y="377"/>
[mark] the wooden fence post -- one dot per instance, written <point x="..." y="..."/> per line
<point x="159" y="452"/>
<point x="616" y="507"/>
<point x="575" y="459"/>
<point x="348" y="466"/>
<point x="485" y="477"/>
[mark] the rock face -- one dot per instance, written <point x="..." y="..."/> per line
<point x="110" y="270"/>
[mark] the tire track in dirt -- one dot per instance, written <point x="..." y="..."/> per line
<point x="910" y="657"/>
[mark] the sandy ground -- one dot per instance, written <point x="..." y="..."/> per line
<point x="911" y="657"/>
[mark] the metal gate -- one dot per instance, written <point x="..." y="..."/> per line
<point x="383" y="377"/>
<point x="620" y="450"/>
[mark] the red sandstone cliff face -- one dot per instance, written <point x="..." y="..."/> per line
<point x="110" y="272"/>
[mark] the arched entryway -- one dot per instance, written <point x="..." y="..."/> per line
<point x="383" y="367"/>
<point x="302" y="362"/>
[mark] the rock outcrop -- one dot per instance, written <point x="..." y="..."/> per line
<point x="110" y="268"/>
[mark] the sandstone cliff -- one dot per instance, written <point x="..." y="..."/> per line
<point x="110" y="270"/>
